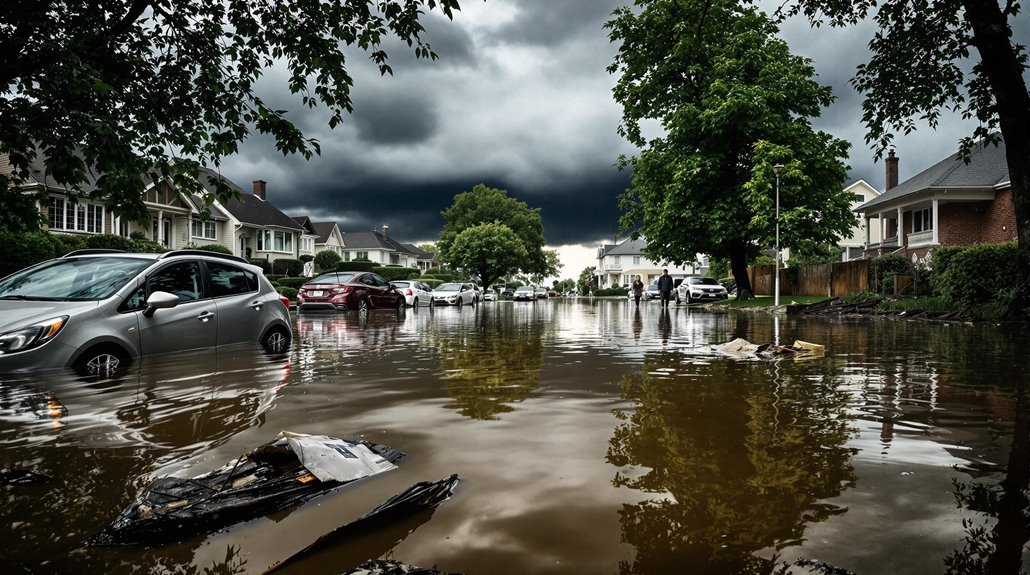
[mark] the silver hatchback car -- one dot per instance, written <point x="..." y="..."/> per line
<point x="94" y="310"/>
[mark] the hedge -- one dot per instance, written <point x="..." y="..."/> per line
<point x="396" y="273"/>
<point x="287" y="291"/>
<point x="440" y="276"/>
<point x="355" y="266"/>
<point x="431" y="282"/>
<point x="292" y="282"/>
<point x="287" y="266"/>
<point x="617" y="291"/>
<point x="22" y="250"/>
<point x="265" y="265"/>
<point x="218" y="248"/>
<point x="883" y="270"/>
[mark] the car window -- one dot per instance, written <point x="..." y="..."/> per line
<point x="400" y="284"/>
<point x="181" y="279"/>
<point x="230" y="280"/>
<point x="448" y="287"/>
<point x="89" y="278"/>
<point x="379" y="281"/>
<point x="332" y="278"/>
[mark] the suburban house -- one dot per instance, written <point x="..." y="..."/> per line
<point x="619" y="263"/>
<point x="249" y="226"/>
<point x="326" y="235"/>
<point x="953" y="202"/>
<point x="377" y="247"/>
<point x="424" y="259"/>
<point x="864" y="231"/>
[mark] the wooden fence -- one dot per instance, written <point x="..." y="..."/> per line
<point x="833" y="280"/>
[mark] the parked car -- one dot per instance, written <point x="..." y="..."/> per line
<point x="454" y="294"/>
<point x="508" y="293"/>
<point x="524" y="293"/>
<point x="97" y="310"/>
<point x="342" y="291"/>
<point x="541" y="293"/>
<point x="694" y="289"/>
<point x="479" y="292"/>
<point x="415" y="293"/>
<point x="650" y="292"/>
<point x="489" y="295"/>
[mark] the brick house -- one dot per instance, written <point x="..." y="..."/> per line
<point x="951" y="203"/>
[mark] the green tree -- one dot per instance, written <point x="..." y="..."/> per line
<point x="326" y="260"/>
<point x="920" y="65"/>
<point x="429" y="248"/>
<point x="586" y="280"/>
<point x="809" y="253"/>
<point x="483" y="205"/>
<point x="552" y="264"/>
<point x="491" y="250"/>
<point x="732" y="102"/>
<point x="122" y="87"/>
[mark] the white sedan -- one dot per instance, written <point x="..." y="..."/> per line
<point x="454" y="294"/>
<point x="415" y="293"/>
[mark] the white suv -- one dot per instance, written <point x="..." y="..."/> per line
<point x="694" y="288"/>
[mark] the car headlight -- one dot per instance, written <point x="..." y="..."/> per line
<point x="31" y="336"/>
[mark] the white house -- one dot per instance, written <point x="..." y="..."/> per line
<point x="378" y="247"/>
<point x="618" y="264"/>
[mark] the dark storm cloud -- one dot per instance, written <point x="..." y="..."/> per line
<point x="519" y="99"/>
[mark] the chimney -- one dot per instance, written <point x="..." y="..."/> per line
<point x="259" y="188"/>
<point x="386" y="231"/>
<point x="892" y="170"/>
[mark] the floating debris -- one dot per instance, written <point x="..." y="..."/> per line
<point x="23" y="477"/>
<point x="291" y="469"/>
<point x="742" y="348"/>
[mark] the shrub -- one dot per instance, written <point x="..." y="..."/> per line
<point x="884" y="269"/>
<point x="287" y="266"/>
<point x="327" y="260"/>
<point x="355" y="266"/>
<point x="64" y="243"/>
<point x="431" y="282"/>
<point x="287" y="291"/>
<point x="614" y="291"/>
<point x="307" y="258"/>
<point x="291" y="282"/>
<point x="978" y="276"/>
<point x="217" y="248"/>
<point x="440" y="276"/>
<point x="275" y="278"/>
<point x="433" y="272"/>
<point x="265" y="265"/>
<point x="396" y="273"/>
<point x="22" y="250"/>
<point x="113" y="242"/>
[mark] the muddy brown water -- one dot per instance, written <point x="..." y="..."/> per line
<point x="590" y="437"/>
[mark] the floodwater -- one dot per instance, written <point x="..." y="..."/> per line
<point x="590" y="437"/>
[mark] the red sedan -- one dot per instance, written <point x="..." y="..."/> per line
<point x="342" y="291"/>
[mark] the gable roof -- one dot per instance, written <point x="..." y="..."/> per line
<point x="324" y="230"/>
<point x="629" y="247"/>
<point x="987" y="169"/>
<point x="422" y="254"/>
<point x="247" y="207"/>
<point x="373" y="241"/>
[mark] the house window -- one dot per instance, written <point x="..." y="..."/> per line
<point x="202" y="229"/>
<point x="922" y="221"/>
<point x="859" y="197"/>
<point x="636" y="260"/>
<point x="273" y="241"/>
<point x="305" y="244"/>
<point x="361" y="255"/>
<point x="78" y="217"/>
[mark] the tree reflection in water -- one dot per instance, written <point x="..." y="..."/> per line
<point x="741" y="456"/>
<point x="487" y="369"/>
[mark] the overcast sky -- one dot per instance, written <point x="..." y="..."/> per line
<point x="519" y="100"/>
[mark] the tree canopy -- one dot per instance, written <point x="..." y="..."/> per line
<point x="732" y="102"/>
<point x="490" y="250"/>
<point x="111" y="92"/>
<point x="485" y="205"/>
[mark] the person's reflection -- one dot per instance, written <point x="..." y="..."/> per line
<point x="638" y="324"/>
<point x="664" y="324"/>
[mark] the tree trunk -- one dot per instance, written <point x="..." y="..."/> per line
<point x="1004" y="73"/>
<point x="738" y="265"/>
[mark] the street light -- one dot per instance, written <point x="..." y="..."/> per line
<point x="777" y="169"/>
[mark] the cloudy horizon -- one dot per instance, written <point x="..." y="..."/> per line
<point x="519" y="100"/>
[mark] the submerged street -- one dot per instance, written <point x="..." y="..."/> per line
<point x="589" y="436"/>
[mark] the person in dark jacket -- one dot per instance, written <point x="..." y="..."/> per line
<point x="665" y="287"/>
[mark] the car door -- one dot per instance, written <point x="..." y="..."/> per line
<point x="238" y="301"/>
<point x="191" y="324"/>
<point x="387" y="296"/>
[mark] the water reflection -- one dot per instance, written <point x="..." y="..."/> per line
<point x="738" y="460"/>
<point x="495" y="363"/>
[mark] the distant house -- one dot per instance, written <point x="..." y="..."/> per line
<point x="618" y="264"/>
<point x="377" y="247"/>
<point x="950" y="203"/>
<point x="424" y="259"/>
<point x="326" y="236"/>
<point x="863" y="231"/>
<point x="260" y="230"/>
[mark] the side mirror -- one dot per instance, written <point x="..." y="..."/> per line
<point x="160" y="300"/>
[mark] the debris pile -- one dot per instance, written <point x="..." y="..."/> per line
<point x="742" y="348"/>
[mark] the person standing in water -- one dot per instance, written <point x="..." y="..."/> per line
<point x="638" y="290"/>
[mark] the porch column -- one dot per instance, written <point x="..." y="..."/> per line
<point x="883" y="227"/>
<point x="901" y="229"/>
<point x="936" y="204"/>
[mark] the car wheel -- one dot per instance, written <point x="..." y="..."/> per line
<point x="277" y="340"/>
<point x="400" y="302"/>
<point x="414" y="302"/>
<point x="101" y="361"/>
<point x="363" y="305"/>
<point x="689" y="300"/>
<point x="677" y="298"/>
